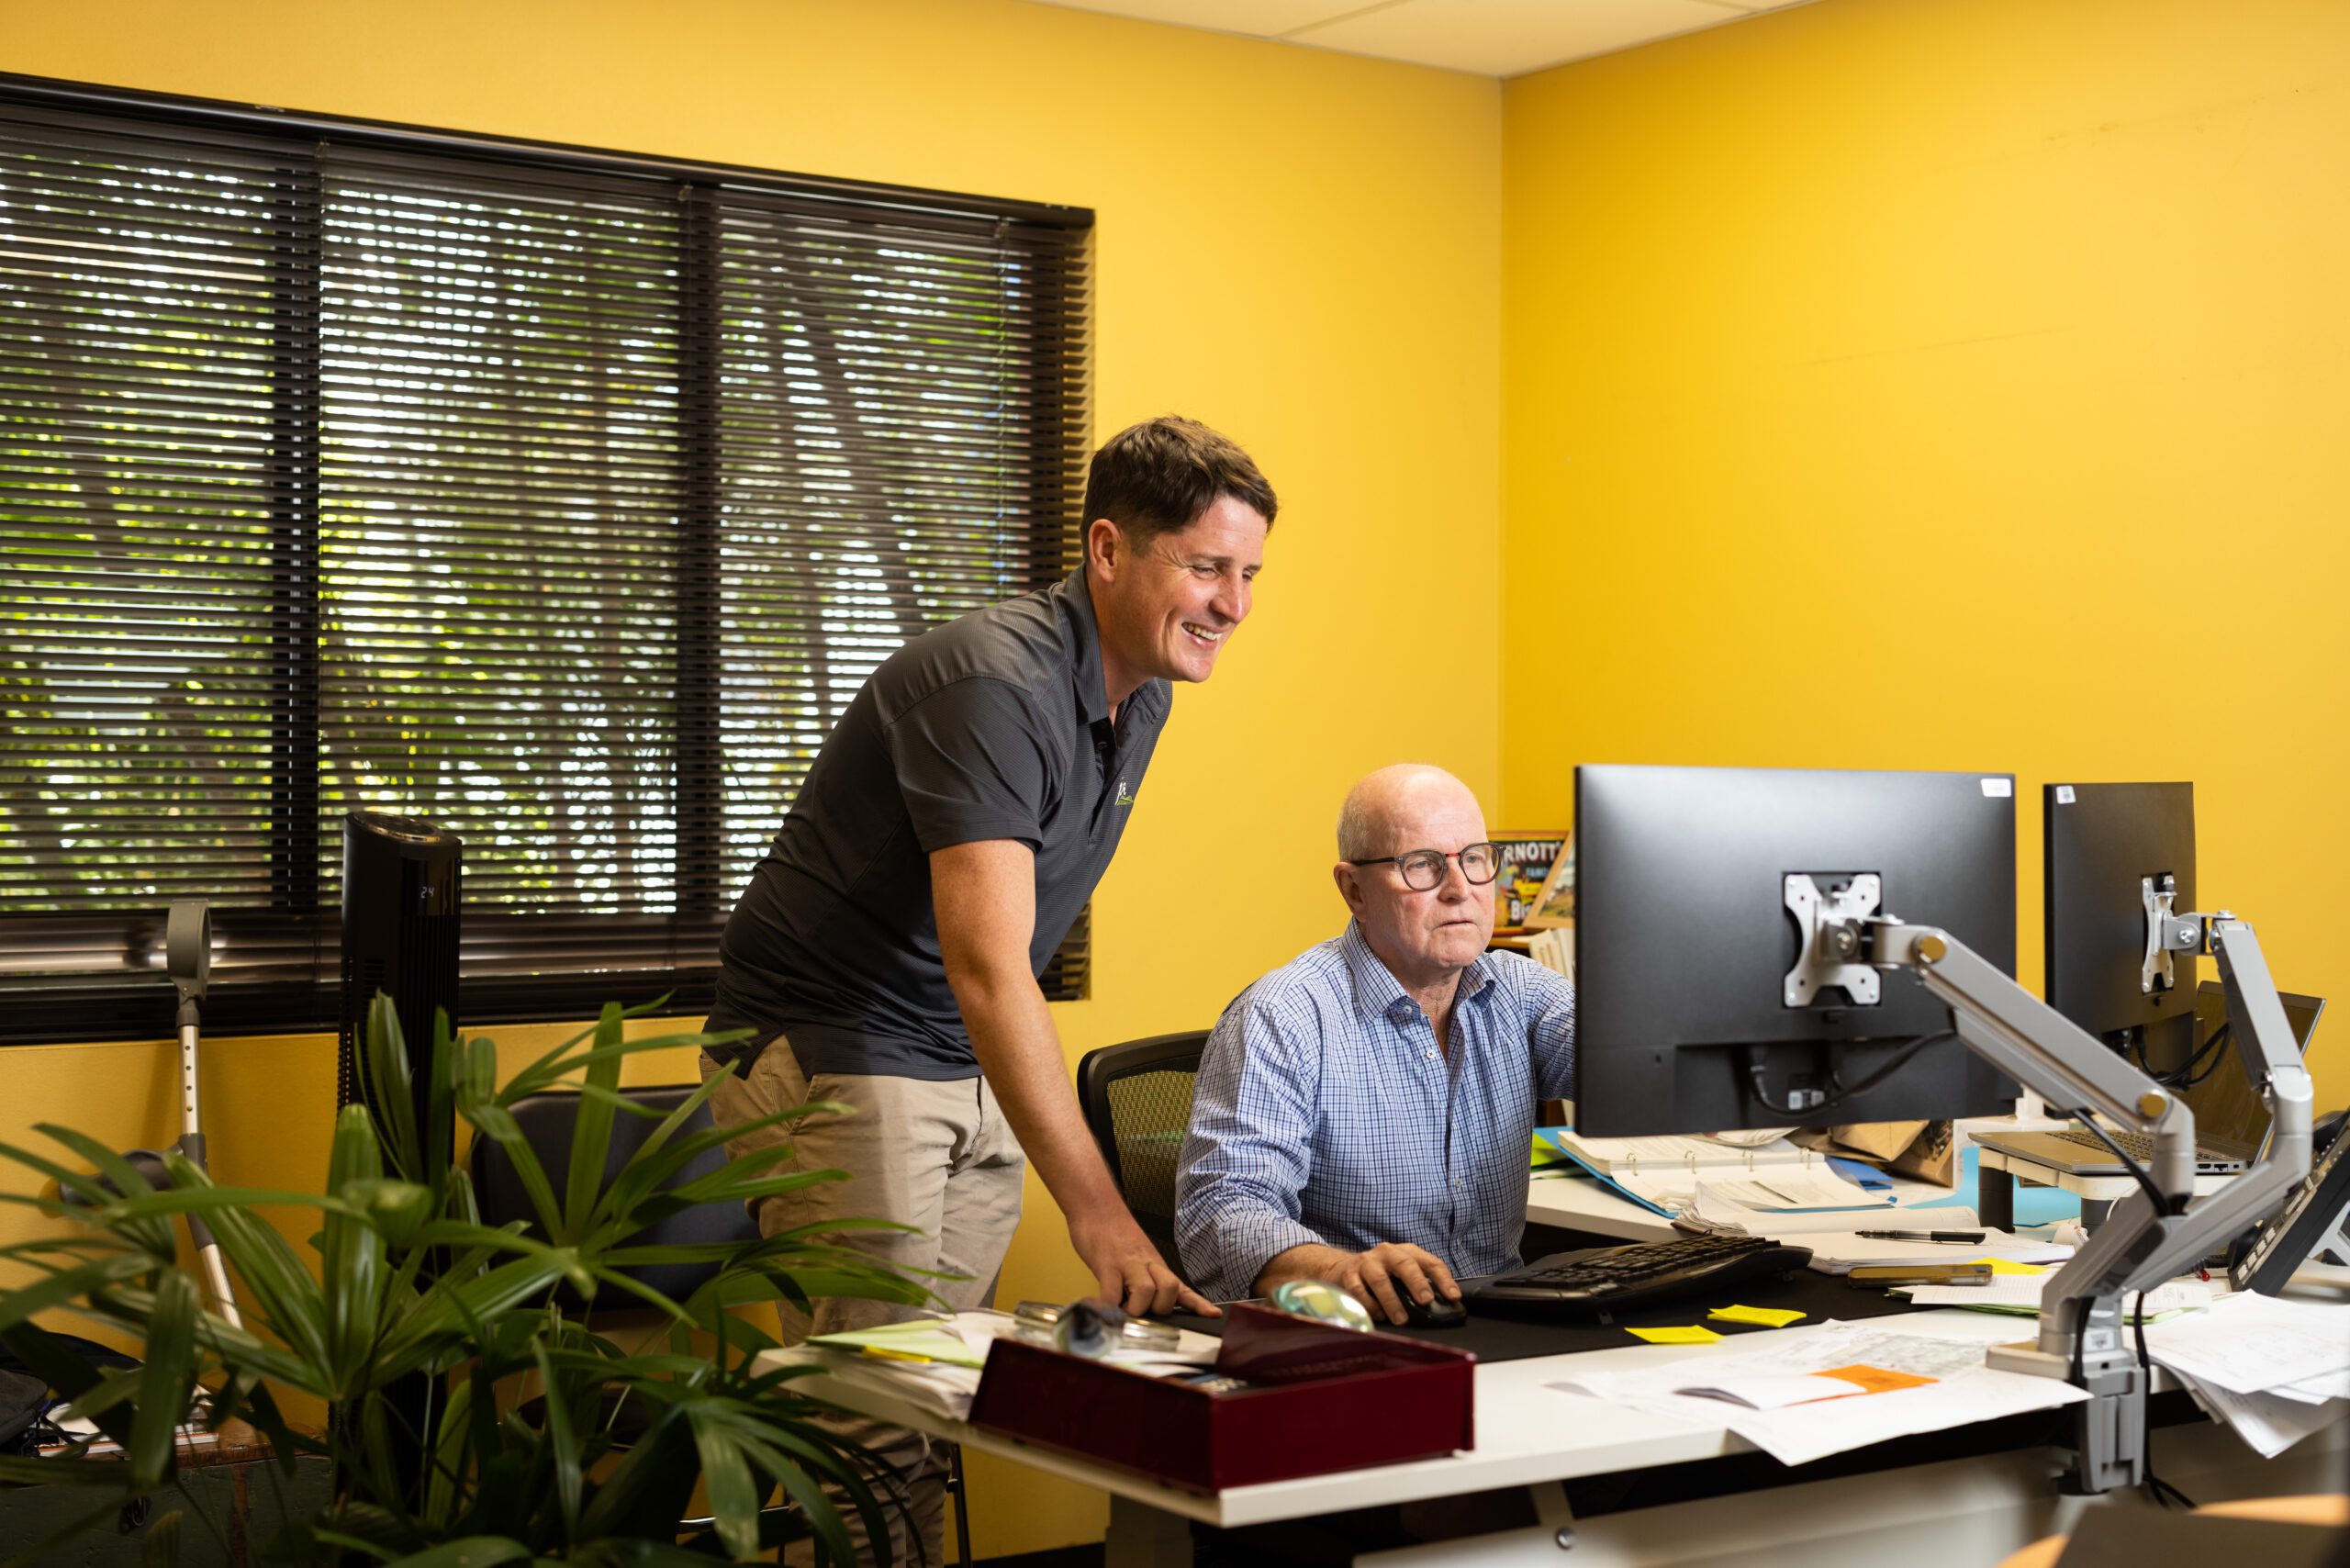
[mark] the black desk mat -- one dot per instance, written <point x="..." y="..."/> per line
<point x="1492" y="1336"/>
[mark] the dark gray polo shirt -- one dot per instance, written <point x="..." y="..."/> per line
<point x="995" y="725"/>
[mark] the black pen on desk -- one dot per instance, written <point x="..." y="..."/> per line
<point x="1963" y="1237"/>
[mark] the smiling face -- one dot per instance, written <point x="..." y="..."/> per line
<point x="1167" y="606"/>
<point x="1424" y="938"/>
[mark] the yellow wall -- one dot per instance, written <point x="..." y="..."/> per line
<point x="2006" y="338"/>
<point x="1299" y="247"/>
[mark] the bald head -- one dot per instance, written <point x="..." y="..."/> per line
<point x="1425" y="937"/>
<point x="1380" y="802"/>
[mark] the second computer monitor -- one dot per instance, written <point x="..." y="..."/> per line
<point x="2105" y="842"/>
<point x="1683" y="941"/>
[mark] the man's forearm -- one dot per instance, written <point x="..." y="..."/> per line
<point x="1308" y="1260"/>
<point x="1020" y="1052"/>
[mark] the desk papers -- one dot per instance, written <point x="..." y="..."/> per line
<point x="1778" y="1190"/>
<point x="2020" y="1293"/>
<point x="1841" y="1251"/>
<point x="945" y="1384"/>
<point x="2273" y="1370"/>
<point x="1719" y="1207"/>
<point x="1963" y="1389"/>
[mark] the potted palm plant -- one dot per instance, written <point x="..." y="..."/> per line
<point x="467" y="1420"/>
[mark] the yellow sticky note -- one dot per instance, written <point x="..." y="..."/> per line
<point x="1695" y="1334"/>
<point x="1768" y="1316"/>
<point x="2002" y="1266"/>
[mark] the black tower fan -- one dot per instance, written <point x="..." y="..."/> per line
<point x="399" y="936"/>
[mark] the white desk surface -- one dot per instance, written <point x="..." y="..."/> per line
<point x="1527" y="1433"/>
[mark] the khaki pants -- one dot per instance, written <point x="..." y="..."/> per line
<point x="938" y="1156"/>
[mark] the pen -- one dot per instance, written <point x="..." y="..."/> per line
<point x="1965" y="1237"/>
<point x="1907" y="1279"/>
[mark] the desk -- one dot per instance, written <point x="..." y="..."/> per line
<point x="1965" y="1511"/>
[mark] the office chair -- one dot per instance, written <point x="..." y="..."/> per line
<point x="548" y="1121"/>
<point x="1137" y="1101"/>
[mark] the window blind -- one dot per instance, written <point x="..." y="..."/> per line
<point x="564" y="499"/>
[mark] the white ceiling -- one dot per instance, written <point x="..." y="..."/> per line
<point x="1492" y="37"/>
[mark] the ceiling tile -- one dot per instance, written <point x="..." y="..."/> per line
<point x="1508" y="38"/>
<point x="1260" y="18"/>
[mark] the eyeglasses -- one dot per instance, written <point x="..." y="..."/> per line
<point x="1424" y="869"/>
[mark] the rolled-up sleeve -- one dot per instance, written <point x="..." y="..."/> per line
<point x="1247" y="1155"/>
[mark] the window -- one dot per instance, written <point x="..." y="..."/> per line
<point x="563" y="499"/>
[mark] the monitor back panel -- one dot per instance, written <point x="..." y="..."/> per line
<point x="2102" y="839"/>
<point x="1683" y="940"/>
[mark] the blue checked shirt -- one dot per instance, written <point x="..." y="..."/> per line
<point x="1325" y="1112"/>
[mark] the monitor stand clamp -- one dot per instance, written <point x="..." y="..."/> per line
<point x="2153" y="1234"/>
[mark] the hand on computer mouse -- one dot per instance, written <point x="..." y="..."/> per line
<point x="1437" y="1314"/>
<point x="1395" y="1277"/>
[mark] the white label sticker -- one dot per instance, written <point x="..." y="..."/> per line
<point x="2064" y="794"/>
<point x="1998" y="789"/>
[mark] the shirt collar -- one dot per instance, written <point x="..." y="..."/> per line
<point x="1085" y="665"/>
<point x="1149" y="699"/>
<point x="1379" y="993"/>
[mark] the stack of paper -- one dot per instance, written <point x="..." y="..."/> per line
<point x="1719" y="1207"/>
<point x="1808" y="1393"/>
<point x="1682" y="1175"/>
<point x="1841" y="1251"/>
<point x="934" y="1362"/>
<point x="2019" y="1293"/>
<point x="2273" y="1370"/>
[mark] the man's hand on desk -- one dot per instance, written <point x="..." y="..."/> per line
<point x="1379" y="1278"/>
<point x="1129" y="1267"/>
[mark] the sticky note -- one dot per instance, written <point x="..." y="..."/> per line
<point x="1695" y="1334"/>
<point x="1874" y="1380"/>
<point x="2002" y="1266"/>
<point x="1768" y="1316"/>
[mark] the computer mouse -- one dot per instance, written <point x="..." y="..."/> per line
<point x="1437" y="1314"/>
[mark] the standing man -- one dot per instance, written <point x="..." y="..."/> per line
<point x="886" y="953"/>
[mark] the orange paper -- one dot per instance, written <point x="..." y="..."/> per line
<point x="1874" y="1380"/>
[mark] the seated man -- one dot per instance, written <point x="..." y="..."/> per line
<point x="1363" y="1114"/>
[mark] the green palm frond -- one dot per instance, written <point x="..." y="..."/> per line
<point x="468" y="1421"/>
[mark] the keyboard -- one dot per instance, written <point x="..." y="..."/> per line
<point x="1605" y="1280"/>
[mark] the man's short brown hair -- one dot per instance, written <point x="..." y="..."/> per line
<point x="1160" y="475"/>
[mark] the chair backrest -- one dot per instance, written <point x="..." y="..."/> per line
<point x="1137" y="1100"/>
<point x="548" y="1121"/>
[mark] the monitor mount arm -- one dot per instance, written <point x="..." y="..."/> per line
<point x="2081" y="1334"/>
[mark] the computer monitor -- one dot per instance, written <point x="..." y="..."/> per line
<point x="2104" y="843"/>
<point x="1684" y="943"/>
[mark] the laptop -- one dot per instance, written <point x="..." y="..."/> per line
<point x="2231" y="1116"/>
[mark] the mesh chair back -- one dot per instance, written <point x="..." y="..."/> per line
<point x="1137" y="1100"/>
<point x="547" y="1122"/>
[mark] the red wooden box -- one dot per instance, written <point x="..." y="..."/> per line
<point x="1324" y="1398"/>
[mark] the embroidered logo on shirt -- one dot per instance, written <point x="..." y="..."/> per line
<point x="1126" y="796"/>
